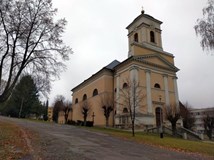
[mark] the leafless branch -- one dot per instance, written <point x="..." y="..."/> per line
<point x="31" y="42"/>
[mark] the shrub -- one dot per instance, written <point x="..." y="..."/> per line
<point x="89" y="123"/>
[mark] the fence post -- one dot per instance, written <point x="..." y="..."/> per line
<point x="184" y="135"/>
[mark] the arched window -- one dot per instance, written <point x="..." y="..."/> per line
<point x="125" y="110"/>
<point x="95" y="92"/>
<point x="152" y="36"/>
<point x="136" y="37"/>
<point x="84" y="97"/>
<point x="76" y="100"/>
<point x="157" y="85"/>
<point x="125" y="85"/>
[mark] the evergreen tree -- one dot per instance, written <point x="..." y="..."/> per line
<point x="24" y="99"/>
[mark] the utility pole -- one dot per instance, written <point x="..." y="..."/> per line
<point x="161" y="127"/>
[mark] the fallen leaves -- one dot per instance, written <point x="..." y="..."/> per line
<point x="12" y="143"/>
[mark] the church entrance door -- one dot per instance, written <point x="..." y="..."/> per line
<point x="159" y="116"/>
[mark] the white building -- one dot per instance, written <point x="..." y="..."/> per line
<point x="199" y="115"/>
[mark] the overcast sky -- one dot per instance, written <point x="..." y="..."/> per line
<point x="96" y="33"/>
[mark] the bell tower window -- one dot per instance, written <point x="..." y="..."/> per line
<point x="95" y="92"/>
<point x="84" y="97"/>
<point x="152" y="36"/>
<point x="125" y="85"/>
<point x="136" y="37"/>
<point x="157" y="85"/>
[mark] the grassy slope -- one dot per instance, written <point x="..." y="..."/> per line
<point x="167" y="142"/>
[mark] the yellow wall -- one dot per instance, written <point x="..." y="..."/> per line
<point x="61" y="117"/>
<point x="158" y="95"/>
<point x="50" y="113"/>
<point x="107" y="84"/>
<point x="103" y="84"/>
<point x="144" y="51"/>
<point x="171" y="83"/>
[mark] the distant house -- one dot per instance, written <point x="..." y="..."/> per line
<point x="148" y="64"/>
<point x="199" y="115"/>
<point x="62" y="116"/>
<point x="50" y="114"/>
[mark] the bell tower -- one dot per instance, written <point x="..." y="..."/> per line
<point x="145" y="33"/>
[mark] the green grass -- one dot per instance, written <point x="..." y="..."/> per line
<point x="36" y="120"/>
<point x="166" y="142"/>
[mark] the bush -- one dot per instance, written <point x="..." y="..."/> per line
<point x="80" y="123"/>
<point x="45" y="118"/>
<point x="71" y="122"/>
<point x="89" y="123"/>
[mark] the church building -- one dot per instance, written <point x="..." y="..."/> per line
<point x="147" y="64"/>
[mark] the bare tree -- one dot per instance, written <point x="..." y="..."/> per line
<point x="209" y="126"/>
<point x="59" y="98"/>
<point x="61" y="105"/>
<point x="85" y="108"/>
<point x="188" y="119"/>
<point x="31" y="42"/>
<point x="205" y="27"/>
<point x="107" y="104"/>
<point x="131" y="96"/>
<point x="67" y="109"/>
<point x="58" y="106"/>
<point x="172" y="114"/>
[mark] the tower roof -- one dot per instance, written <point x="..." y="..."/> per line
<point x="143" y="15"/>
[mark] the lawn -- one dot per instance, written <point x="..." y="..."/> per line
<point x="201" y="147"/>
<point x="11" y="142"/>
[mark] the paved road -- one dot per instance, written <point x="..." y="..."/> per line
<point x="64" y="142"/>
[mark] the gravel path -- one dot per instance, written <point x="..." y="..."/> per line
<point x="64" y="142"/>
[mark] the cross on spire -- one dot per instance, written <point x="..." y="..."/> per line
<point x="142" y="10"/>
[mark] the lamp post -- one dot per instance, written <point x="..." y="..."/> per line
<point x="161" y="127"/>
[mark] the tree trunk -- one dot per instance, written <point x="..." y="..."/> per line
<point x="133" y="131"/>
<point x="85" y="120"/>
<point x="66" y="118"/>
<point x="107" y="122"/>
<point x="173" y="128"/>
<point x="20" y="111"/>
